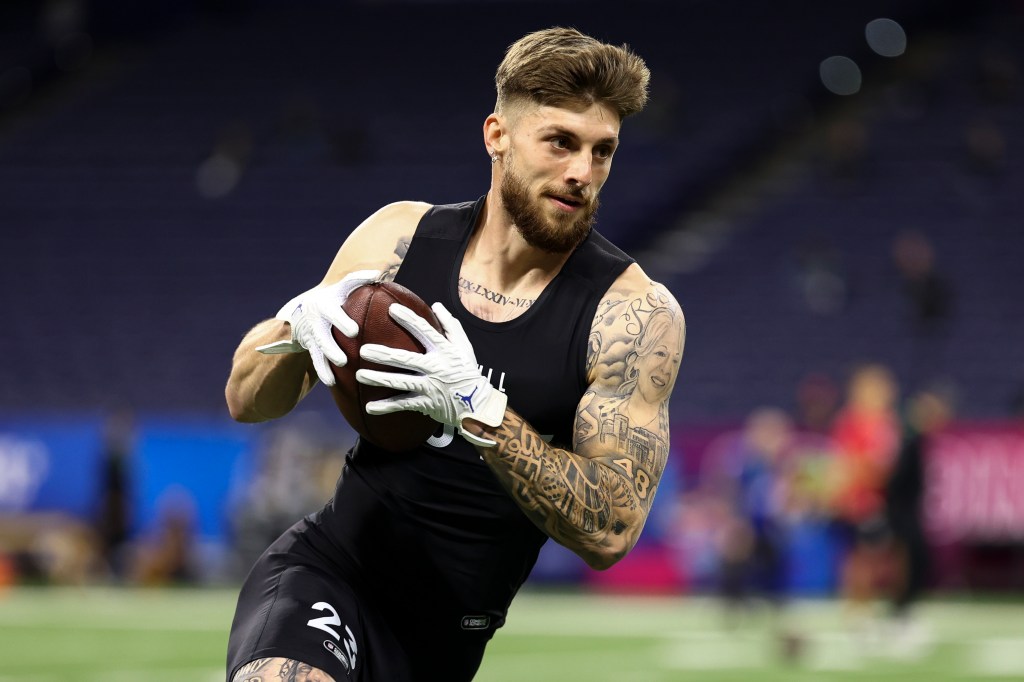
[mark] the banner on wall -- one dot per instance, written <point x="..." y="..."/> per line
<point x="975" y="484"/>
<point x="55" y="464"/>
<point x="49" y="464"/>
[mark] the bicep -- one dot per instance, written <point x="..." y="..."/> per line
<point x="635" y="348"/>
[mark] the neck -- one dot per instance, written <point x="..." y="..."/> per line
<point x="498" y="250"/>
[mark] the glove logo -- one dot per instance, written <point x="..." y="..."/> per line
<point x="467" y="400"/>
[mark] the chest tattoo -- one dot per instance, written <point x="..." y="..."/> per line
<point x="466" y="287"/>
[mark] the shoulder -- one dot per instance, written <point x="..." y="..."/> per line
<point x="634" y="282"/>
<point x="634" y="294"/>
<point x="400" y="216"/>
<point x="393" y="221"/>
<point x="635" y="315"/>
<point x="380" y="242"/>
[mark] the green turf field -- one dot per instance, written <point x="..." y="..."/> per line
<point x="112" y="635"/>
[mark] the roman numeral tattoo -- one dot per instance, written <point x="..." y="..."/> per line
<point x="493" y="296"/>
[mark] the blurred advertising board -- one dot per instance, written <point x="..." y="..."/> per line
<point x="975" y="484"/>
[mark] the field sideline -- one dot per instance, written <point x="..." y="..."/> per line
<point x="121" y="635"/>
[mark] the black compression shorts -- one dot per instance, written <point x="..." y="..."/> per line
<point x="293" y="609"/>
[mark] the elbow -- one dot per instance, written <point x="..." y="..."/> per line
<point x="603" y="561"/>
<point x="607" y="555"/>
<point x="240" y="410"/>
<point x="241" y="415"/>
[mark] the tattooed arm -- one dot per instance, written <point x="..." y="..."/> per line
<point x="280" y="670"/>
<point x="263" y="387"/>
<point x="595" y="499"/>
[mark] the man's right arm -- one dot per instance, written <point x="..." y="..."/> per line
<point x="262" y="387"/>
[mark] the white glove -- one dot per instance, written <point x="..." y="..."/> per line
<point x="448" y="387"/>
<point x="311" y="315"/>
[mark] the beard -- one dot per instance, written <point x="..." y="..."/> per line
<point x="553" y="235"/>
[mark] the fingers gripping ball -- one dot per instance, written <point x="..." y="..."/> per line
<point x="368" y="307"/>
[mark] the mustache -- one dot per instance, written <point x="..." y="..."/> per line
<point x="576" y="192"/>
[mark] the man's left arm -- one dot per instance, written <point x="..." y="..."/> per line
<point x="596" y="498"/>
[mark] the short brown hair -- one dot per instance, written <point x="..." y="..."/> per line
<point x="559" y="66"/>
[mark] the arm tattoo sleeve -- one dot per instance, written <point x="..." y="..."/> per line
<point x="571" y="497"/>
<point x="605" y="488"/>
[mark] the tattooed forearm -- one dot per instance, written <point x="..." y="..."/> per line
<point x="468" y="287"/>
<point x="576" y="500"/>
<point x="401" y="248"/>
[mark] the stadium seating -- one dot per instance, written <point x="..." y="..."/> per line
<point x="124" y="284"/>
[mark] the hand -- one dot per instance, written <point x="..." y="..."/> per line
<point x="311" y="315"/>
<point x="448" y="387"/>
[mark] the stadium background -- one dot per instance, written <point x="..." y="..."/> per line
<point x="171" y="171"/>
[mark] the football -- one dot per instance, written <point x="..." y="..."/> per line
<point x="368" y="307"/>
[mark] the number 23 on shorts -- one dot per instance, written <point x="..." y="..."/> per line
<point x="345" y="650"/>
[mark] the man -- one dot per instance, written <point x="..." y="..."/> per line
<point x="551" y="381"/>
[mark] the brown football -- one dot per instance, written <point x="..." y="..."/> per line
<point x="368" y="306"/>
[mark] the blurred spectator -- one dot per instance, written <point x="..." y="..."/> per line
<point x="928" y="291"/>
<point x="817" y="399"/>
<point x="697" y="536"/>
<point x="746" y="472"/>
<point x="754" y="491"/>
<point x="927" y="412"/>
<point x="113" y="518"/>
<point x="866" y="434"/>
<point x="168" y="555"/>
<point x="60" y="550"/>
<point x="768" y="434"/>
<point x="296" y="474"/>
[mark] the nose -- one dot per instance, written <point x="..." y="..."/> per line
<point x="580" y="171"/>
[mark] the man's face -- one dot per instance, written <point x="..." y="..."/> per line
<point x="555" y="166"/>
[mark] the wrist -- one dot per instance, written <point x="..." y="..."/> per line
<point x="491" y="409"/>
<point x="285" y="312"/>
<point x="490" y="413"/>
<point x="476" y="433"/>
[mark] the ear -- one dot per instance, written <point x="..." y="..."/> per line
<point x="496" y="134"/>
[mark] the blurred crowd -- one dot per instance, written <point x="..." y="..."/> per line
<point x="291" y="473"/>
<point x="849" y="467"/>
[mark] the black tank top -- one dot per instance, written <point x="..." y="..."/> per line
<point x="430" y="536"/>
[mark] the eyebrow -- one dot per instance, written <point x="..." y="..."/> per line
<point x="549" y="129"/>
